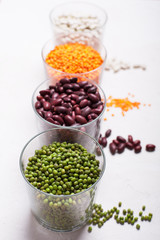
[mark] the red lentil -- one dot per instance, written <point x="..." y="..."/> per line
<point x="74" y="58"/>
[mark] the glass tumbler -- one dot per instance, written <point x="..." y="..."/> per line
<point x="95" y="75"/>
<point x="62" y="212"/>
<point x="78" y="22"/>
<point x="92" y="127"/>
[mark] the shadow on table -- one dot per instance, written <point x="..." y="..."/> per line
<point x="35" y="231"/>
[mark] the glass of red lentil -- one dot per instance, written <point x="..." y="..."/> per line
<point x="53" y="103"/>
<point x="75" y="59"/>
<point x="78" y="22"/>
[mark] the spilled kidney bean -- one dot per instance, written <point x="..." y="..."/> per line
<point x="150" y="147"/>
<point x="137" y="149"/>
<point x="70" y="102"/>
<point x="121" y="139"/>
<point x="104" y="141"/>
<point x="121" y="147"/>
<point x="129" y="145"/>
<point x="136" y="143"/>
<point x="108" y="133"/>
<point x="113" y="148"/>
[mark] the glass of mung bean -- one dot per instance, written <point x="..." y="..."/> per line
<point x="62" y="169"/>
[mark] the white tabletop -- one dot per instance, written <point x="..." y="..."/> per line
<point x="132" y="35"/>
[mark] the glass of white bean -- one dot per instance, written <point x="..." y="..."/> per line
<point x="78" y="22"/>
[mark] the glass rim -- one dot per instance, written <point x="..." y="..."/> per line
<point x="102" y="65"/>
<point x="80" y="2"/>
<point x="68" y="127"/>
<point x="64" y="196"/>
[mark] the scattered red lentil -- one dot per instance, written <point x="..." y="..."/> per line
<point x="74" y="58"/>
<point x="125" y="104"/>
<point x="105" y="119"/>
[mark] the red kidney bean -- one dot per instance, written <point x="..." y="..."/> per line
<point x="46" y="105"/>
<point x="85" y="111"/>
<point x="104" y="141"/>
<point x="73" y="115"/>
<point x="39" y="98"/>
<point x="74" y="96"/>
<point x="52" y="87"/>
<point x="60" y="109"/>
<point x="62" y="95"/>
<point x="44" y="92"/>
<point x="83" y="103"/>
<point x="58" y="119"/>
<point x="108" y="133"/>
<point x="56" y="102"/>
<point x="74" y="106"/>
<point x="98" y="95"/>
<point x="69" y="91"/>
<point x="80" y="98"/>
<point x="67" y="86"/>
<point x="130" y="139"/>
<point x="89" y="103"/>
<point x="66" y="99"/>
<point x="92" y="89"/>
<point x="95" y="105"/>
<point x="83" y="83"/>
<point x="92" y="116"/>
<point x="38" y="104"/>
<point x="136" y="143"/>
<point x="67" y="105"/>
<point x="100" y="139"/>
<point x="121" y="139"/>
<point x="137" y="149"/>
<point x="121" y="147"/>
<point x="73" y="102"/>
<point x="93" y="97"/>
<point x="115" y="142"/>
<point x="55" y="95"/>
<point x="80" y="93"/>
<point x="113" y="148"/>
<point x="97" y="110"/>
<point x="75" y="86"/>
<point x="40" y="112"/>
<point x="81" y="90"/>
<point x="129" y="145"/>
<point x="47" y="97"/>
<point x="60" y="89"/>
<point x="80" y="119"/>
<point x="52" y="91"/>
<point x="150" y="147"/>
<point x="87" y="86"/>
<point x="64" y="81"/>
<point x="77" y="111"/>
<point x="48" y="114"/>
<point x="73" y="80"/>
<point x="42" y="100"/>
<point x="69" y="120"/>
<point x="52" y="121"/>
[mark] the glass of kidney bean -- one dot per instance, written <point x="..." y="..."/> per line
<point x="69" y="102"/>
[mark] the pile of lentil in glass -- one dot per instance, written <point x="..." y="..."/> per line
<point x="99" y="216"/>
<point x="62" y="168"/>
<point x="74" y="58"/>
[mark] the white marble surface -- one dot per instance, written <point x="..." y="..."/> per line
<point x="132" y="34"/>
